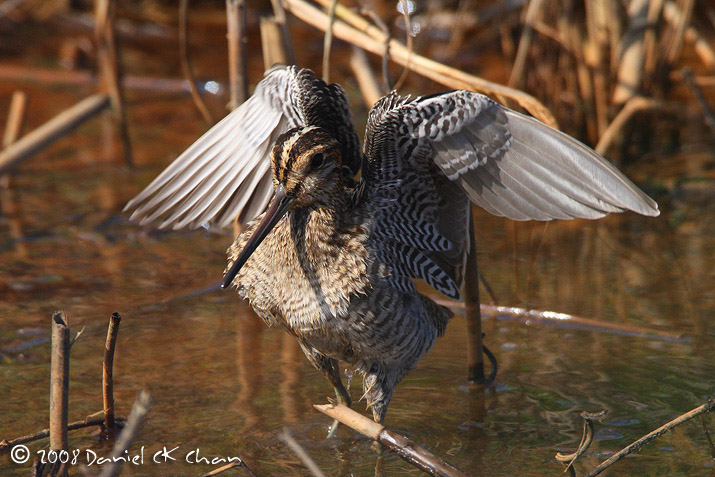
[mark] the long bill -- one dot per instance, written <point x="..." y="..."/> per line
<point x="279" y="206"/>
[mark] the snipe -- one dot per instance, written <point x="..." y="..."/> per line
<point x="332" y="260"/>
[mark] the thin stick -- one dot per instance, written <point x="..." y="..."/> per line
<point x="702" y="101"/>
<point x="15" y="118"/>
<point x="110" y="70"/>
<point x="107" y="372"/>
<point x="404" y="447"/>
<point x="369" y="85"/>
<point x="633" y="106"/>
<point x="230" y="466"/>
<point x="59" y="381"/>
<point x="475" y="351"/>
<point x="51" y="131"/>
<point x="186" y="61"/>
<point x="281" y="17"/>
<point x="6" y="446"/>
<point x="438" y="72"/>
<point x="134" y="422"/>
<point x="707" y="407"/>
<point x="328" y="41"/>
<point x="273" y="44"/>
<point x="237" y="55"/>
<point x="409" y="44"/>
<point x="301" y="453"/>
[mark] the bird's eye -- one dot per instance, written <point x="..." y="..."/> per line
<point x="317" y="160"/>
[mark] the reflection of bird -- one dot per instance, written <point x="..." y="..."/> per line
<point x="331" y="260"/>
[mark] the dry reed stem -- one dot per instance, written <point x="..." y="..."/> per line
<point x="328" y="41"/>
<point x="655" y="9"/>
<point x="59" y="381"/>
<point x="186" y="62"/>
<point x="135" y="419"/>
<point x="703" y="47"/>
<point x="52" y="130"/>
<point x="273" y="44"/>
<point x="405" y="448"/>
<point x="237" y="54"/>
<point x="360" y="32"/>
<point x="632" y="48"/>
<point x="29" y="74"/>
<point x="298" y="450"/>
<point x="6" y="446"/>
<point x="680" y="26"/>
<point x="527" y="35"/>
<point x="280" y="15"/>
<point x="707" y="407"/>
<point x="633" y="106"/>
<point x="15" y="118"/>
<point x="368" y="83"/>
<point x="110" y="70"/>
<point x="108" y="372"/>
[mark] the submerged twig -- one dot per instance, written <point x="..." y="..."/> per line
<point x="6" y="446"/>
<point x="586" y="439"/>
<point x="229" y="466"/>
<point x="186" y="62"/>
<point x="707" y="436"/>
<point x="404" y="447"/>
<point x="107" y="372"/>
<point x="134" y="422"/>
<point x="301" y="453"/>
<point x="707" y="407"/>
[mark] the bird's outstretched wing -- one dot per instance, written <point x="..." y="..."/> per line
<point x="226" y="173"/>
<point x="425" y="156"/>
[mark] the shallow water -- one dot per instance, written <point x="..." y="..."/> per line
<point x="226" y="385"/>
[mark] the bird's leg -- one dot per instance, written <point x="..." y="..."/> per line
<point x="378" y="388"/>
<point x="332" y="372"/>
<point x="331" y="369"/>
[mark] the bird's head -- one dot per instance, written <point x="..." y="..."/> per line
<point x="306" y="167"/>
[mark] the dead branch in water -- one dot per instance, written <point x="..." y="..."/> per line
<point x="230" y="466"/>
<point x="586" y="440"/>
<point x="707" y="407"/>
<point x="6" y="446"/>
<point x="107" y="373"/>
<point x="59" y="381"/>
<point x="134" y="422"/>
<point x="358" y="31"/>
<point x="51" y="131"/>
<point x="186" y="62"/>
<point x="404" y="447"/>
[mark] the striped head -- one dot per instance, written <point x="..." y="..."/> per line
<point x="306" y="172"/>
<point x="306" y="162"/>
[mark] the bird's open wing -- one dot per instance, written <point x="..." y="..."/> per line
<point x="508" y="163"/>
<point x="226" y="173"/>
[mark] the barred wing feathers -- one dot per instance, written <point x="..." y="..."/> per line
<point x="226" y="173"/>
<point x="425" y="156"/>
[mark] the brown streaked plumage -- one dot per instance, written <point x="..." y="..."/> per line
<point x="332" y="261"/>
